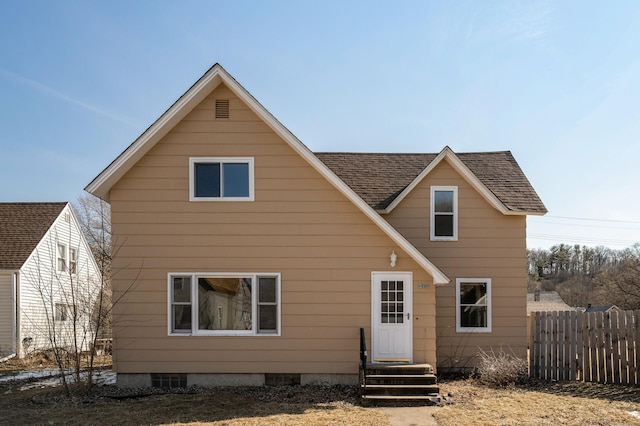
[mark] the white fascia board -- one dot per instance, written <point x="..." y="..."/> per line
<point x="216" y="75"/>
<point x="102" y="184"/>
<point x="448" y="155"/>
<point x="438" y="276"/>
<point x="45" y="237"/>
<point x="83" y="239"/>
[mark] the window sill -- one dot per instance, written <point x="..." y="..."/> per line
<point x="473" y="330"/>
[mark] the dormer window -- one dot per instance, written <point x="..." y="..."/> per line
<point x="221" y="179"/>
<point x="444" y="213"/>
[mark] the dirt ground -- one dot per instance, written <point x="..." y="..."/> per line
<point x="465" y="402"/>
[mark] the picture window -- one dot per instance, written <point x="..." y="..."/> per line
<point x="224" y="304"/>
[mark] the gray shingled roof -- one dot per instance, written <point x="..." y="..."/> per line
<point x="22" y="226"/>
<point x="549" y="301"/>
<point x="379" y="178"/>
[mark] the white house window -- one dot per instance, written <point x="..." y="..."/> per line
<point x="62" y="258"/>
<point x="224" y="304"/>
<point x="221" y="179"/>
<point x="73" y="260"/>
<point x="444" y="213"/>
<point x="473" y="305"/>
<point x="63" y="312"/>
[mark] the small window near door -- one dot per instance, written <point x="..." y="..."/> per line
<point x="473" y="303"/>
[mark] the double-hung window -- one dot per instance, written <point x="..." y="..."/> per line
<point x="473" y="305"/>
<point x="444" y="213"/>
<point x="64" y="312"/>
<point x="219" y="304"/>
<point x="62" y="258"/>
<point x="221" y="179"/>
<point x="73" y="260"/>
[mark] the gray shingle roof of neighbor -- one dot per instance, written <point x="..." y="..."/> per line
<point x="378" y="178"/>
<point x="549" y="301"/>
<point x="22" y="226"/>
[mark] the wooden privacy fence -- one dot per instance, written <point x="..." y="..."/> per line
<point x="599" y="347"/>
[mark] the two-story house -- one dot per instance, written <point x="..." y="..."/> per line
<point x="242" y="255"/>
<point x="49" y="280"/>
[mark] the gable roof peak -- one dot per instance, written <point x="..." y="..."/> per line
<point x="22" y="226"/>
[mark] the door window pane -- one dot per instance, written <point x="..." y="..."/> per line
<point x="391" y="306"/>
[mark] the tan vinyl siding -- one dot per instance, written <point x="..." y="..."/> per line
<point x="299" y="226"/>
<point x="489" y="245"/>
<point x="6" y="313"/>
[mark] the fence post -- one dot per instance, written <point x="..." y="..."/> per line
<point x="593" y="346"/>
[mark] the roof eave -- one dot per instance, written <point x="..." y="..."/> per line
<point x="448" y="155"/>
<point x="102" y="184"/>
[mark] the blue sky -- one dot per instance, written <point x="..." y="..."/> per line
<point x="557" y="83"/>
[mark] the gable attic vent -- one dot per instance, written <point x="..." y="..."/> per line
<point x="222" y="108"/>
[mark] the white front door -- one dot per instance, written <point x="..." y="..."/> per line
<point x="391" y="335"/>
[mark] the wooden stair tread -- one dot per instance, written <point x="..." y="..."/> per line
<point x="399" y="386"/>
<point x="400" y="397"/>
<point x="400" y="376"/>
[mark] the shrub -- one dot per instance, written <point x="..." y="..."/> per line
<point x="501" y="369"/>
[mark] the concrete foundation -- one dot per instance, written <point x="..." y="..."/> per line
<point x="132" y="380"/>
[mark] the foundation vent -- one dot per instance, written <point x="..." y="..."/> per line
<point x="281" y="379"/>
<point x="168" y="381"/>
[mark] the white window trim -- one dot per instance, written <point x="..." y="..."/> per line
<point x="486" y="329"/>
<point x="72" y="261"/>
<point x="194" y="302"/>
<point x="62" y="254"/>
<point x="221" y="160"/>
<point x="432" y="213"/>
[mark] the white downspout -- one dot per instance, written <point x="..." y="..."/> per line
<point x="16" y="318"/>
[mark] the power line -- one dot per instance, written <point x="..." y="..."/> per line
<point x="593" y="220"/>
<point x="585" y="240"/>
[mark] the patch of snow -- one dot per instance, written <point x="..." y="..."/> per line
<point x="29" y="374"/>
<point x="51" y="378"/>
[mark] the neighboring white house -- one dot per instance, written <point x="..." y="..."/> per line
<point x="49" y="280"/>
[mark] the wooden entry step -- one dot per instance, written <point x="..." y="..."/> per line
<point x="399" y="382"/>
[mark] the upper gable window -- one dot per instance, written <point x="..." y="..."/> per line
<point x="62" y="258"/>
<point x="221" y="179"/>
<point x="444" y="213"/>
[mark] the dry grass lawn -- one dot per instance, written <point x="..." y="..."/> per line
<point x="467" y="403"/>
<point x="565" y="403"/>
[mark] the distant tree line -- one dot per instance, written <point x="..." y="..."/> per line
<point x="587" y="275"/>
